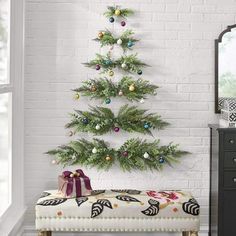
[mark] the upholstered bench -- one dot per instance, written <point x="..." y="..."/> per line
<point x="118" y="210"/>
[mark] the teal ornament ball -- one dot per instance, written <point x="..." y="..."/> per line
<point x="130" y="44"/>
<point x="161" y="160"/>
<point x="146" y="126"/>
<point x="108" y="62"/>
<point x="111" y="19"/>
<point x="139" y="72"/>
<point x="107" y="100"/>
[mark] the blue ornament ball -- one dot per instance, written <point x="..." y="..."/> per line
<point x="139" y="72"/>
<point x="146" y="126"/>
<point x="85" y="120"/>
<point x="111" y="19"/>
<point x="107" y="100"/>
<point x="130" y="44"/>
<point x="161" y="160"/>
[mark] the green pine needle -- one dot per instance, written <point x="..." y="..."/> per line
<point x="130" y="155"/>
<point x="105" y="88"/>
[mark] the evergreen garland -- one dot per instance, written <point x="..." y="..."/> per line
<point x="113" y="11"/>
<point x="100" y="120"/>
<point x="128" y="63"/>
<point x="103" y="88"/>
<point x="126" y="41"/>
<point x="134" y="154"/>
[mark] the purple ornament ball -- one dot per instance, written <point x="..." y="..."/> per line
<point x="125" y="153"/>
<point x="123" y="23"/>
<point x="116" y="129"/>
<point x="97" y="67"/>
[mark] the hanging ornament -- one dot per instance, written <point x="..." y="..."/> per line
<point x="108" y="62"/>
<point x="122" y="23"/>
<point x="123" y="65"/>
<point x="77" y="96"/>
<point x="119" y="42"/>
<point x="98" y="127"/>
<point x="141" y="100"/>
<point x="73" y="157"/>
<point x="120" y="93"/>
<point x="116" y="129"/>
<point x="161" y="160"/>
<point x="130" y="44"/>
<point x="125" y="153"/>
<point x="100" y="35"/>
<point x="108" y="158"/>
<point x="111" y="73"/>
<point x="54" y="162"/>
<point x="97" y="67"/>
<point x="117" y="12"/>
<point x="107" y="100"/>
<point x="146" y="125"/>
<point x="94" y="150"/>
<point x="146" y="155"/>
<point x="131" y="88"/>
<point x="85" y="120"/>
<point x="71" y="133"/>
<point x="111" y="19"/>
<point x="139" y="72"/>
<point x="93" y="88"/>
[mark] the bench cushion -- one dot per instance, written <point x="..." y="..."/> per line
<point x="111" y="210"/>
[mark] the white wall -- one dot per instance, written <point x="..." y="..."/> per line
<point x="177" y="40"/>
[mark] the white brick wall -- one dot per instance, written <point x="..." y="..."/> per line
<point x="177" y="40"/>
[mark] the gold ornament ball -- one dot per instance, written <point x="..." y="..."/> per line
<point x="77" y="96"/>
<point x="71" y="133"/>
<point x="93" y="88"/>
<point x="100" y="35"/>
<point x="117" y="12"/>
<point x="131" y="88"/>
<point x="108" y="158"/>
<point x="111" y="73"/>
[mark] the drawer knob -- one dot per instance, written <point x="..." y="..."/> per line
<point x="234" y="179"/>
<point x="231" y="141"/>
<point x="234" y="159"/>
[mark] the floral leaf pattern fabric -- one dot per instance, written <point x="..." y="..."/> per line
<point x="105" y="202"/>
<point x="52" y="202"/>
<point x="81" y="200"/>
<point x="191" y="207"/>
<point x="127" y="198"/>
<point x="97" y="209"/>
<point x="118" y="203"/>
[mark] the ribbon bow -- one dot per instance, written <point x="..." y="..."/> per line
<point x="76" y="176"/>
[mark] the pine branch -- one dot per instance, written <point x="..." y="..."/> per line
<point x="100" y="120"/>
<point x="126" y="41"/>
<point x="131" y="89"/>
<point x="134" y="154"/>
<point x="111" y="11"/>
<point x="126" y="63"/>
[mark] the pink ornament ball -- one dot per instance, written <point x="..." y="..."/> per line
<point x="125" y="153"/>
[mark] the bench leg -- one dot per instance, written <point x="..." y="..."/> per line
<point x="45" y="233"/>
<point x="190" y="233"/>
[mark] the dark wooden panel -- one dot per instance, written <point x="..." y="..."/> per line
<point x="230" y="179"/>
<point x="229" y="224"/>
<point x="230" y="159"/>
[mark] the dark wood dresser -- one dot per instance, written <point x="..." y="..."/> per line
<point x="222" y="215"/>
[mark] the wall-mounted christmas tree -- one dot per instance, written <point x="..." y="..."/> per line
<point x="134" y="153"/>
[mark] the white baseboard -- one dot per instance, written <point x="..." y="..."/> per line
<point x="29" y="230"/>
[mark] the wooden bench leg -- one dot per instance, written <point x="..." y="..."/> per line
<point x="190" y="233"/>
<point x="45" y="233"/>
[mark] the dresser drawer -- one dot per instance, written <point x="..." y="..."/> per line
<point x="230" y="179"/>
<point x="230" y="141"/>
<point x="230" y="159"/>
